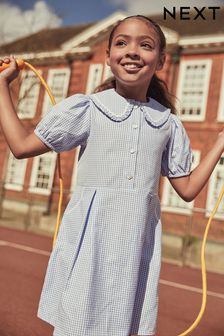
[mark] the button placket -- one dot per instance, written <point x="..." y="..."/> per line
<point x="133" y="146"/>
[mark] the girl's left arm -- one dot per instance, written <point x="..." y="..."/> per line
<point x="188" y="187"/>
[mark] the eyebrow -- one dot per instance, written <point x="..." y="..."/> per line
<point x="139" y="37"/>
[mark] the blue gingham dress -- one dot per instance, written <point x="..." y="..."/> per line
<point x="103" y="274"/>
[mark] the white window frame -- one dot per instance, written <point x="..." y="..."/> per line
<point x="220" y="116"/>
<point x="187" y="206"/>
<point x="33" y="179"/>
<point x="94" y="77"/>
<point x="210" y="194"/>
<point x="183" y="66"/>
<point x="23" y="88"/>
<point x="21" y="168"/>
<point x="107" y="73"/>
<point x="47" y="105"/>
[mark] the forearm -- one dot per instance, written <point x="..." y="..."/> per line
<point x="190" y="186"/>
<point x="200" y="175"/>
<point x="14" y="132"/>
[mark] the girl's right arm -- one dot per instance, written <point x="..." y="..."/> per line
<point x="22" y="143"/>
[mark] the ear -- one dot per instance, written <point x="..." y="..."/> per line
<point x="108" y="57"/>
<point x="161" y="61"/>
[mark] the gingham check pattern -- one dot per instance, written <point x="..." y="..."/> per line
<point x="103" y="274"/>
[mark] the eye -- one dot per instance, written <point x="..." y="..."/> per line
<point x="146" y="45"/>
<point x="120" y="43"/>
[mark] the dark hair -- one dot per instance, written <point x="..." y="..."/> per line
<point x="157" y="88"/>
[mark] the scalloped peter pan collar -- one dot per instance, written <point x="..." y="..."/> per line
<point x="118" y="108"/>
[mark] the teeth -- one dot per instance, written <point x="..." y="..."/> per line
<point x="130" y="66"/>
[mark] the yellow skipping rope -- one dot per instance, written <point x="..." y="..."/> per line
<point x="21" y="64"/>
<point x="43" y="82"/>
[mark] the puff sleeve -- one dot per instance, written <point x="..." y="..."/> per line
<point x="67" y="125"/>
<point x="177" y="157"/>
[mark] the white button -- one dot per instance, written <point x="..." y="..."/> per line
<point x="136" y="106"/>
<point x="135" y="126"/>
<point x="130" y="177"/>
<point x="132" y="150"/>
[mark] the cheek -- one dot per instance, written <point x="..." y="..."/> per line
<point x="115" y="56"/>
<point x="152" y="61"/>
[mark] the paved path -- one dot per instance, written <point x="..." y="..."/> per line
<point x="23" y="262"/>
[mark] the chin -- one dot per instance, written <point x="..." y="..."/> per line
<point x="133" y="82"/>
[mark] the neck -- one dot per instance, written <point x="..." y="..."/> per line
<point x="132" y="93"/>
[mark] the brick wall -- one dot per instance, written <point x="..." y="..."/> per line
<point x="202" y="136"/>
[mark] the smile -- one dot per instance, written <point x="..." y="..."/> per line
<point x="131" y="66"/>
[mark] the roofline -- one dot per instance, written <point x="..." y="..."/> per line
<point x="56" y="53"/>
<point x="199" y="40"/>
<point x="171" y="35"/>
<point x="99" y="27"/>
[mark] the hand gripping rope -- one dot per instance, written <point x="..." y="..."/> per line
<point x="21" y="64"/>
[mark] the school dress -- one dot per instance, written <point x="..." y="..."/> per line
<point x="103" y="273"/>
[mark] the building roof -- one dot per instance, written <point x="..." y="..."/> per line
<point x="44" y="40"/>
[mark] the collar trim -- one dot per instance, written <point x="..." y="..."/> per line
<point x="107" y="101"/>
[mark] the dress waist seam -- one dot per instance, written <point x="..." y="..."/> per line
<point x="118" y="188"/>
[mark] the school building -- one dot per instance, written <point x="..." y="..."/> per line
<point x="72" y="60"/>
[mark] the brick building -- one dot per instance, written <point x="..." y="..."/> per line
<point x="72" y="60"/>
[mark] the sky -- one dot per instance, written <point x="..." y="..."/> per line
<point x="19" y="18"/>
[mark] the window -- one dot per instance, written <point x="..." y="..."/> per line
<point x="221" y="99"/>
<point x="107" y="72"/>
<point x="28" y="95"/>
<point x="171" y="201"/>
<point x="214" y="188"/>
<point x="43" y="173"/>
<point x="58" y="81"/>
<point x="15" y="174"/>
<point x="94" y="77"/>
<point x="193" y="89"/>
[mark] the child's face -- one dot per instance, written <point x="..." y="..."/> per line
<point x="134" y="55"/>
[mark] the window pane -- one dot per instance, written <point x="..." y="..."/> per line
<point x="94" y="77"/>
<point x="28" y="95"/>
<point x="58" y="82"/>
<point x="193" y="88"/>
<point x="15" y="173"/>
<point x="43" y="173"/>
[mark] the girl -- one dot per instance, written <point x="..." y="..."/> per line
<point x="103" y="274"/>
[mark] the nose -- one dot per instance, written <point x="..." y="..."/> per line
<point x="132" y="52"/>
<point x="132" y="55"/>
